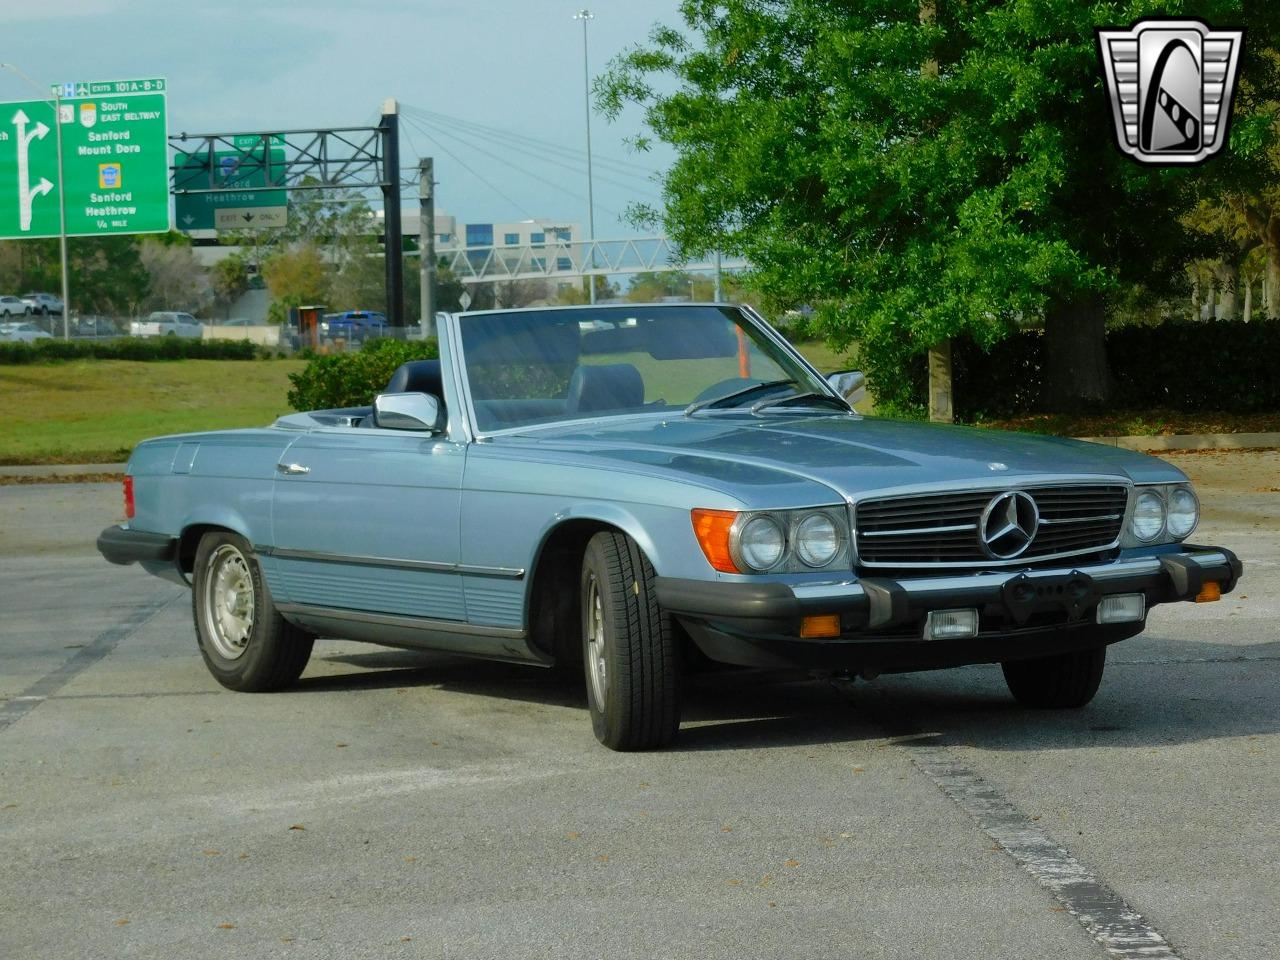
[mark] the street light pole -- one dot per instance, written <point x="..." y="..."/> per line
<point x="62" y="197"/>
<point x="584" y="16"/>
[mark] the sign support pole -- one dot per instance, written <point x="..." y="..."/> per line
<point x="62" y="220"/>
<point x="393" y="245"/>
<point x="427" y="243"/>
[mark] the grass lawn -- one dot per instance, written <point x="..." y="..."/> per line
<point x="826" y="359"/>
<point x="91" y="411"/>
<point x="95" y="411"/>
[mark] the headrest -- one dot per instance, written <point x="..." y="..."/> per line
<point x="417" y="376"/>
<point x="611" y="386"/>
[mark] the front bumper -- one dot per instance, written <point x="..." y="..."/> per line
<point x="123" y="545"/>
<point x="1021" y="613"/>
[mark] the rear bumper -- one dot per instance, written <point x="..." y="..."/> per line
<point x="1025" y="613"/>
<point x="122" y="545"/>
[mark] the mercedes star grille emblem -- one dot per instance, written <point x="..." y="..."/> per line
<point x="1008" y="525"/>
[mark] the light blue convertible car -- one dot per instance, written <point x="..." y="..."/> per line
<point x="638" y="489"/>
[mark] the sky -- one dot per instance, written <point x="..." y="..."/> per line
<point x="514" y="67"/>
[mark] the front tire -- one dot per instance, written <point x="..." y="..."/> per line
<point x="1062" y="681"/>
<point x="629" y="652"/>
<point x="246" y="644"/>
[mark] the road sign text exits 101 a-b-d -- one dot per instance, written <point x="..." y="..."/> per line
<point x="115" y="161"/>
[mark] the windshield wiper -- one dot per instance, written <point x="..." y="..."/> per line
<point x="745" y="391"/>
<point x="809" y="398"/>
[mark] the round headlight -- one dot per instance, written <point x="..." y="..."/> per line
<point x="1184" y="512"/>
<point x="761" y="543"/>
<point x="1148" y="516"/>
<point x="817" y="541"/>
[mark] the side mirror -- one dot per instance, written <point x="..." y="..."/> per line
<point x="408" y="411"/>
<point x="850" y="384"/>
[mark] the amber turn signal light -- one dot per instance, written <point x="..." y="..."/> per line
<point x="711" y="527"/>
<point x="1210" y="592"/>
<point x="815" y="628"/>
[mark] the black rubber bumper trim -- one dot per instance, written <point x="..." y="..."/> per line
<point x="123" y="546"/>
<point x="738" y="601"/>
<point x="773" y="607"/>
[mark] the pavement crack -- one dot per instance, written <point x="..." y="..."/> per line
<point x="1107" y="917"/>
<point x="13" y="710"/>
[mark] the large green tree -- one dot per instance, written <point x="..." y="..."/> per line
<point x="107" y="275"/>
<point x="920" y="170"/>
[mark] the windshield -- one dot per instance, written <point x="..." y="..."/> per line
<point x="543" y="366"/>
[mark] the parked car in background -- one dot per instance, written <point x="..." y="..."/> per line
<point x="95" y="326"/>
<point x="167" y="323"/>
<point x="676" y="486"/>
<point x="13" y="307"/>
<point x="355" y="326"/>
<point x="24" y="331"/>
<point x="42" y="303"/>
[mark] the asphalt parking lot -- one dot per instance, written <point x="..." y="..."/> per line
<point x="410" y="805"/>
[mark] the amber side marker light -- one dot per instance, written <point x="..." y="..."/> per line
<point x="711" y="527"/>
<point x="816" y="628"/>
<point x="1210" y="592"/>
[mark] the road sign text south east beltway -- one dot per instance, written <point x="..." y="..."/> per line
<point x="115" y="161"/>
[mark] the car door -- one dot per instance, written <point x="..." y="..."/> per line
<point x="367" y="520"/>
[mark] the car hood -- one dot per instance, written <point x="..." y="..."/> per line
<point x="850" y="454"/>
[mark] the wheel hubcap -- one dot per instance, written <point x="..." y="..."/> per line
<point x="597" y="670"/>
<point x="228" y="602"/>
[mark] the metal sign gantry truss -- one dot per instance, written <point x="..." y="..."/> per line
<point x="341" y="158"/>
<point x="351" y="158"/>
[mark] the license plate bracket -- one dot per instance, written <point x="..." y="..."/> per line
<point x="1075" y="593"/>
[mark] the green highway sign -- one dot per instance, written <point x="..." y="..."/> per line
<point x="242" y="141"/>
<point x="115" y="153"/>
<point x="238" y="208"/>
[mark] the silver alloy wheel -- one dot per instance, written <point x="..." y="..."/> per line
<point x="596" y="667"/>
<point x="228" y="605"/>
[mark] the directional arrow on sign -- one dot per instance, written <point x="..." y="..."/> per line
<point x="247" y="217"/>
<point x="188" y="220"/>
<point x="26" y="193"/>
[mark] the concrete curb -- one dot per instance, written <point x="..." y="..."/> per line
<point x="1192" y="441"/>
<point x="60" y="469"/>
<point x="1178" y="441"/>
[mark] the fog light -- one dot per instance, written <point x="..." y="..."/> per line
<point x="951" y="624"/>
<point x="1211" y="591"/>
<point x="1122" y="608"/>
<point x="814" y="628"/>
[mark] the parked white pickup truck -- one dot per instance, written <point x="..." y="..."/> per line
<point x="167" y="323"/>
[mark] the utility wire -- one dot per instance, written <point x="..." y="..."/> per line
<point x="623" y="167"/>
<point x="538" y="153"/>
<point x="426" y="133"/>
<point x="481" y="150"/>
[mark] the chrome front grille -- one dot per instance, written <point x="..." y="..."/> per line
<point x="943" y="528"/>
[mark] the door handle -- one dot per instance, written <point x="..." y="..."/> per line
<point x="292" y="469"/>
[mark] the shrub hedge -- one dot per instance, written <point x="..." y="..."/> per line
<point x="354" y="379"/>
<point x="127" y="348"/>
<point x="1225" y="366"/>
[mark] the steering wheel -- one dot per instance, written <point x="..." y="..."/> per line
<point x="726" y="387"/>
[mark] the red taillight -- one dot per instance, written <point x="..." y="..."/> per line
<point x="128" y="498"/>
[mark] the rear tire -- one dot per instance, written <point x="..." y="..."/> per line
<point x="246" y="644"/>
<point x="1063" y="681"/>
<point x="629" y="652"/>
